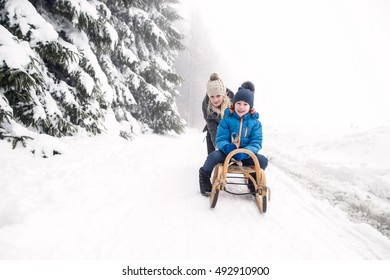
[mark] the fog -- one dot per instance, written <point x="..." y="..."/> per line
<point x="317" y="65"/>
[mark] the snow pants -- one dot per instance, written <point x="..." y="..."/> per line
<point x="218" y="156"/>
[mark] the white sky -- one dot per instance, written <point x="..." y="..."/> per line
<point x="315" y="64"/>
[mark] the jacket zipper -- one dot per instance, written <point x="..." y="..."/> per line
<point x="239" y="134"/>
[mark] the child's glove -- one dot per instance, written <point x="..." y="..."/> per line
<point x="240" y="156"/>
<point x="229" y="148"/>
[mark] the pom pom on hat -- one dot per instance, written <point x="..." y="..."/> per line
<point x="215" y="86"/>
<point x="248" y="85"/>
<point x="244" y="94"/>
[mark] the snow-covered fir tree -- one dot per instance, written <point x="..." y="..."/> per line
<point x="66" y="64"/>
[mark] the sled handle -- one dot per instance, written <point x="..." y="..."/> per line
<point x="245" y="151"/>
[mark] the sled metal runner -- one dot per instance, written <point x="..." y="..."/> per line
<point x="262" y="193"/>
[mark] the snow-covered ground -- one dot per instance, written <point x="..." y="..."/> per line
<point x="108" y="198"/>
<point x="319" y="67"/>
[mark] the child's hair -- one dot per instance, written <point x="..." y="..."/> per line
<point x="226" y="103"/>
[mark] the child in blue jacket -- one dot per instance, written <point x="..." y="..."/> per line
<point x="240" y="115"/>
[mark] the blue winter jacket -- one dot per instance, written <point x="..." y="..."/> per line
<point x="251" y="133"/>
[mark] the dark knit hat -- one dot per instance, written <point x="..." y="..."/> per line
<point x="244" y="94"/>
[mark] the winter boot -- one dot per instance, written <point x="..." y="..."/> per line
<point x="251" y="187"/>
<point x="204" y="182"/>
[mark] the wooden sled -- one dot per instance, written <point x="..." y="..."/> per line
<point x="262" y="192"/>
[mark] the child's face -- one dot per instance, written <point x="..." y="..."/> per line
<point x="216" y="100"/>
<point x="241" y="108"/>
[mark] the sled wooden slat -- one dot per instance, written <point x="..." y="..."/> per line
<point x="240" y="169"/>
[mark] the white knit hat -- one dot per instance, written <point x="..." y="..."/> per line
<point x="215" y="86"/>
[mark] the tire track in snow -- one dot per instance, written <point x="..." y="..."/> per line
<point x="359" y="205"/>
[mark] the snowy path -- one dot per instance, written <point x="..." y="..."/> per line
<point x="113" y="199"/>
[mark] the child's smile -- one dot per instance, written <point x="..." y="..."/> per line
<point x="241" y="108"/>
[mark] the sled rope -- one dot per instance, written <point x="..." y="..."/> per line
<point x="236" y="139"/>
